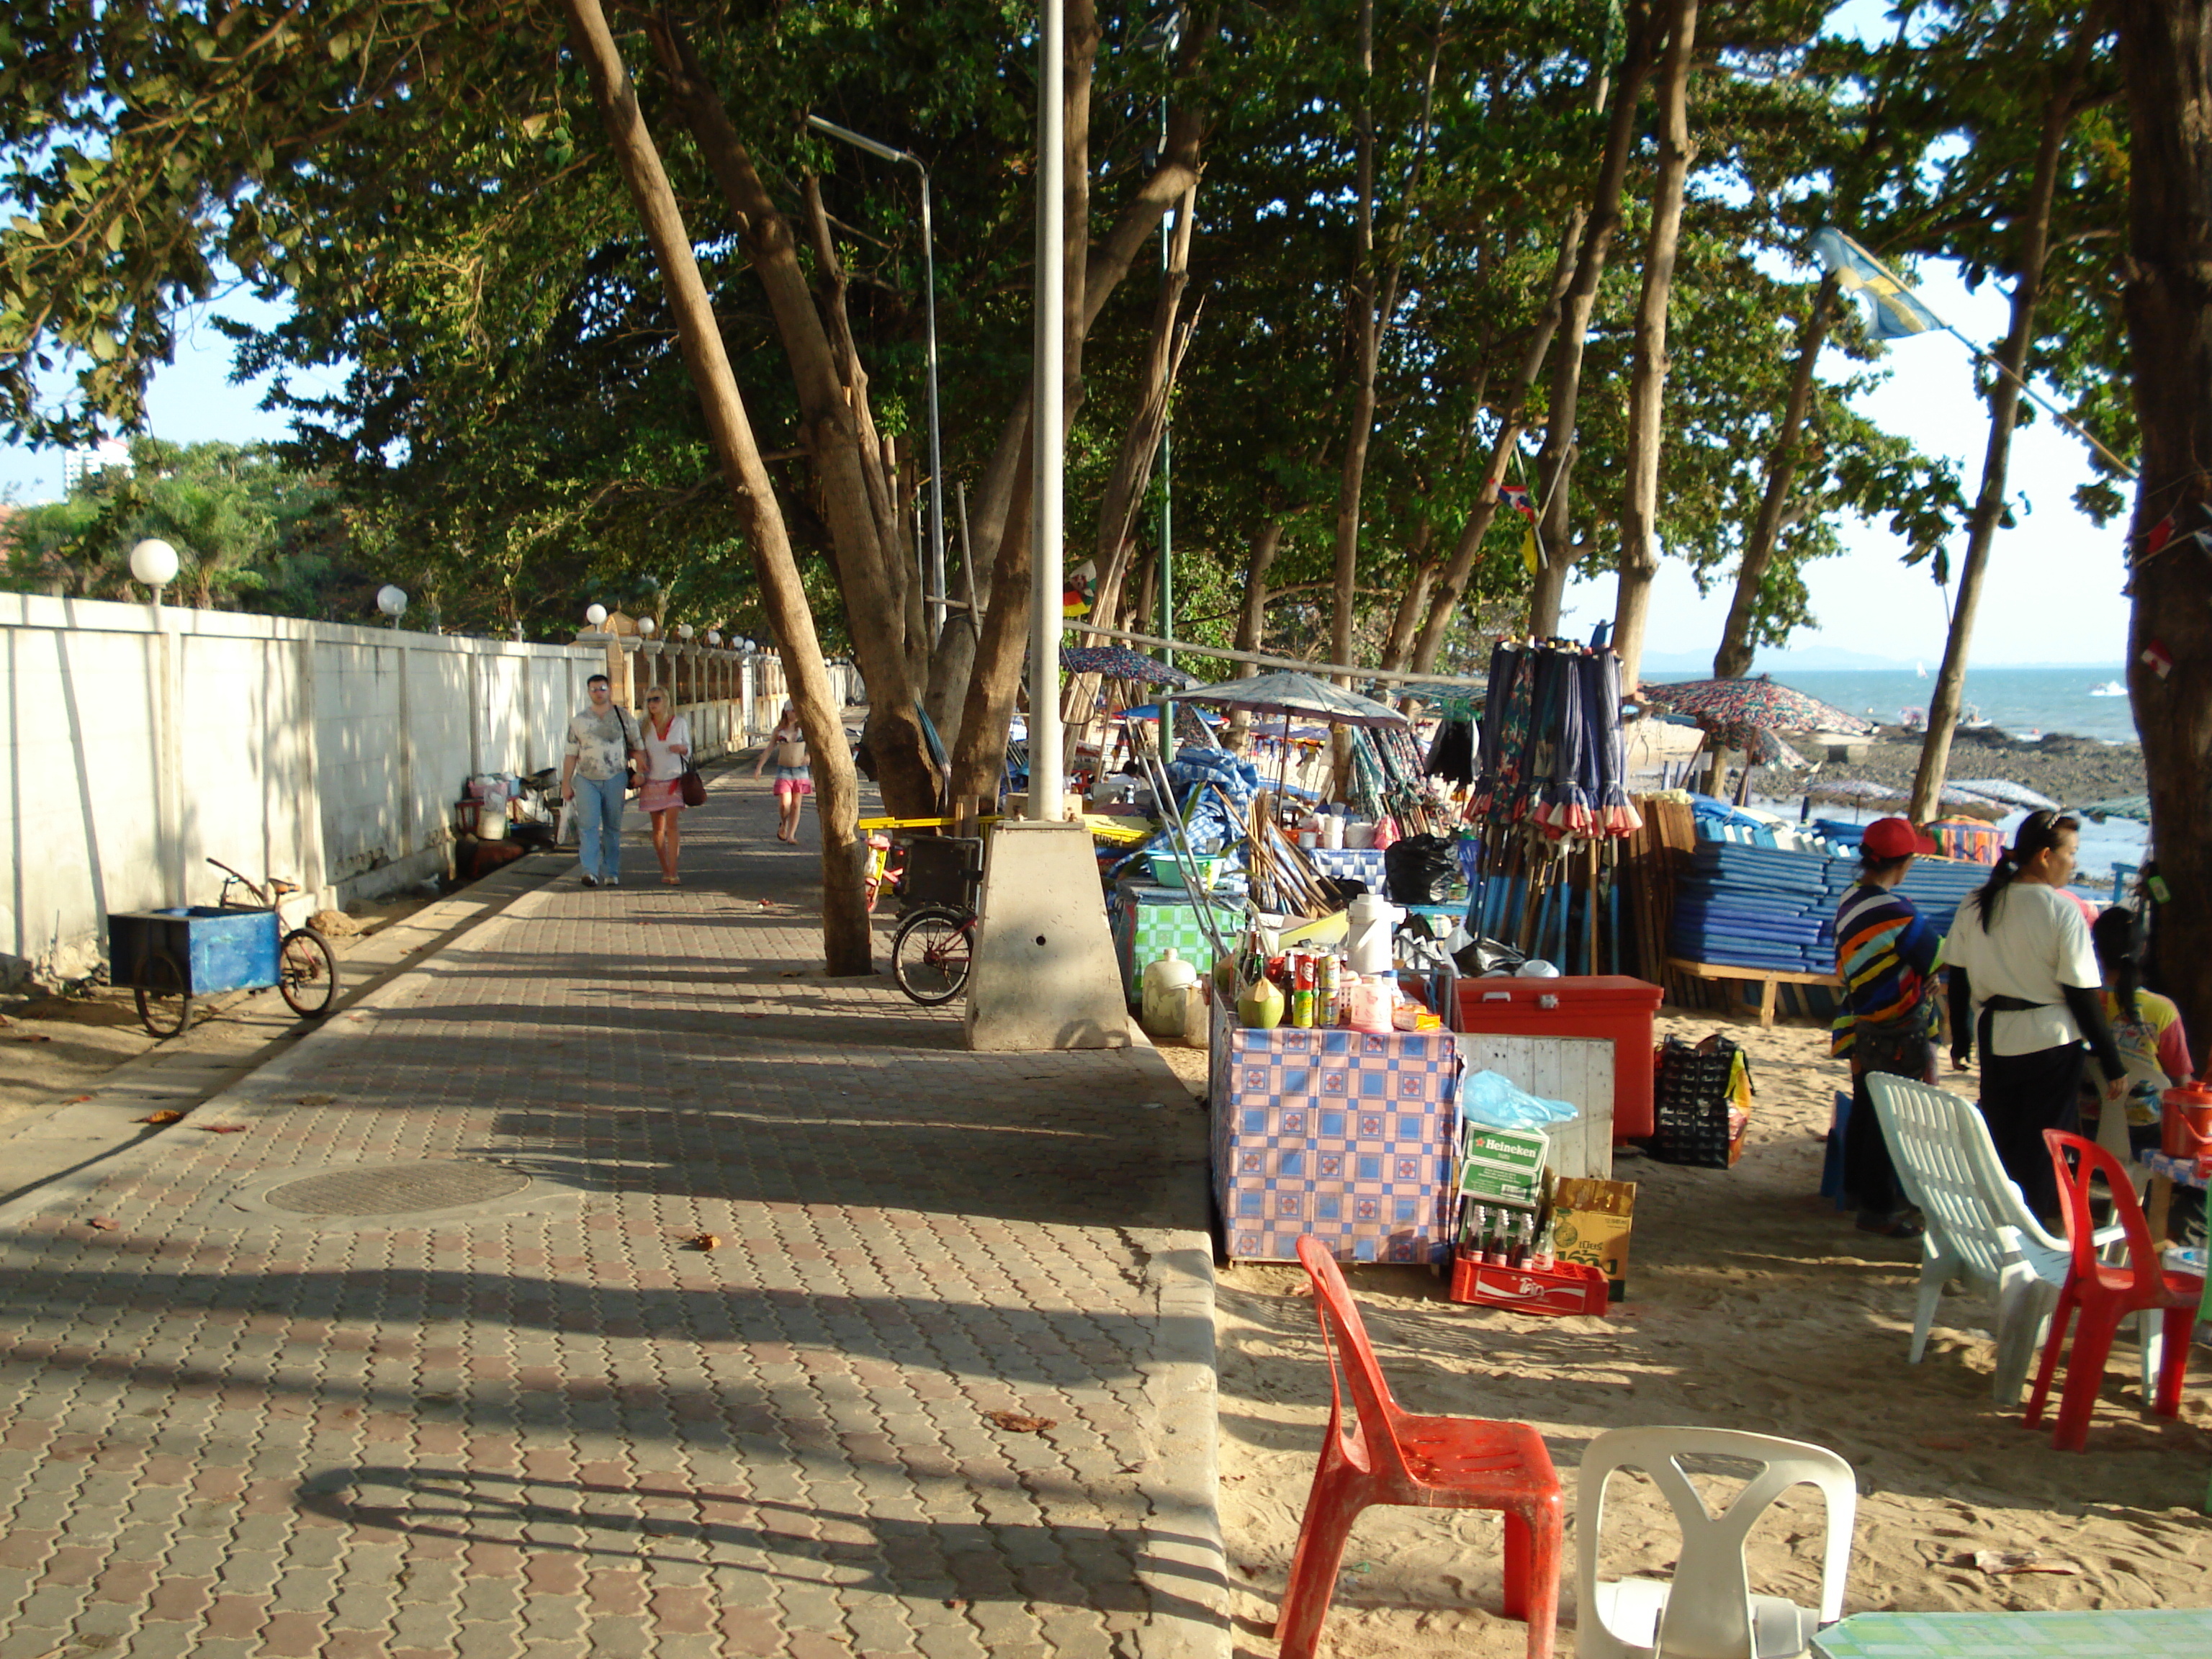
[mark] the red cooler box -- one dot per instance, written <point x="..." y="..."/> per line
<point x="1610" y="1005"/>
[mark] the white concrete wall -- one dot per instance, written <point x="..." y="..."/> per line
<point x="328" y="755"/>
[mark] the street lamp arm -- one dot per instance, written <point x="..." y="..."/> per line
<point x="861" y="141"/>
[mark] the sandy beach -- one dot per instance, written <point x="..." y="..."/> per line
<point x="1752" y="1304"/>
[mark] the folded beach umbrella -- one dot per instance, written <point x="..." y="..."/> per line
<point x="1292" y="693"/>
<point x="2013" y="795"/>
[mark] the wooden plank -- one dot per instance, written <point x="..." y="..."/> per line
<point x="1577" y="1070"/>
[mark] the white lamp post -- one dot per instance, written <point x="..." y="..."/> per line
<point x="647" y="626"/>
<point x="595" y="617"/>
<point x="935" y="596"/>
<point x="1050" y="459"/>
<point x="154" y="563"/>
<point x="392" y="602"/>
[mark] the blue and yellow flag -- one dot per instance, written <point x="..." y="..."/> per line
<point x="1893" y="311"/>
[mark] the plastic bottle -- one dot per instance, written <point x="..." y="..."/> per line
<point x="1168" y="982"/>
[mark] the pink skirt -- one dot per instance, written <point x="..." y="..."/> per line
<point x="664" y="796"/>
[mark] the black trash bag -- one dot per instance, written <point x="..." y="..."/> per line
<point x="1486" y="955"/>
<point x="1451" y="755"/>
<point x="1420" y="870"/>
<point x="1343" y="889"/>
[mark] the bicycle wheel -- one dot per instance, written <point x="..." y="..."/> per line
<point x="931" y="954"/>
<point x="162" y="1004"/>
<point x="307" y="973"/>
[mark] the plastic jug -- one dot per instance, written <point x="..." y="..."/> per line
<point x="1168" y="982"/>
<point x="1332" y="831"/>
<point x="2186" y="1120"/>
<point x="1373" y="918"/>
<point x="1370" y="997"/>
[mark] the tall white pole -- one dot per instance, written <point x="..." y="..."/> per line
<point x="1051" y="286"/>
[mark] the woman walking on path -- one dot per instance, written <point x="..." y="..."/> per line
<point x="1886" y="956"/>
<point x="787" y="747"/>
<point x="2020" y="956"/>
<point x="602" y="743"/>
<point x="667" y="747"/>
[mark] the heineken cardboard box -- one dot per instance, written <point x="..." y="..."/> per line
<point x="1501" y="1166"/>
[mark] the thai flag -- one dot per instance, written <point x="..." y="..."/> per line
<point x="1517" y="497"/>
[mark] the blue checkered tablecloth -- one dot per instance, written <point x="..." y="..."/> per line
<point x="1344" y="1134"/>
<point x="1348" y="863"/>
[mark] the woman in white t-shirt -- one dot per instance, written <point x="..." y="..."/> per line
<point x="667" y="748"/>
<point x="2019" y="956"/>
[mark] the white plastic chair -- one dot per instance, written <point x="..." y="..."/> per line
<point x="1706" y="1610"/>
<point x="1978" y="1224"/>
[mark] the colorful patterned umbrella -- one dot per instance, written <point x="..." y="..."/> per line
<point x="1118" y="662"/>
<point x="1729" y="707"/>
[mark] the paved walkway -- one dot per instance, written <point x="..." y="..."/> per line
<point x="428" y="1408"/>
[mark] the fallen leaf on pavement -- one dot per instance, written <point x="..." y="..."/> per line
<point x="1015" y="1423"/>
<point x="72" y="1099"/>
<point x="224" y="1128"/>
<point x="956" y="1603"/>
<point x="1996" y="1562"/>
<point x="317" y="1100"/>
<point x="39" y="1036"/>
<point x="705" y="1241"/>
<point x="163" y="1116"/>
<point x="104" y="1224"/>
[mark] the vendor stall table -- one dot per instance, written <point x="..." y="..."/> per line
<point x="1148" y="918"/>
<point x="1343" y="1134"/>
<point x="1765" y="978"/>
<point x="1608" y="1005"/>
<point x="2165" y="1173"/>
<point x="2116" y="1633"/>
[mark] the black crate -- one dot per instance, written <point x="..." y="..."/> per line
<point x="943" y="870"/>
<point x="1690" y="1108"/>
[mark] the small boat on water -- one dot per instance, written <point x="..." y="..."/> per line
<point x="2108" y="689"/>
<point x="1921" y="668"/>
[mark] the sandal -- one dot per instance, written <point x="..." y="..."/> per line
<point x="1898" y="1227"/>
<point x="671" y="881"/>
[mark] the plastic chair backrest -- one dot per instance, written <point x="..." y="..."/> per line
<point x="1949" y="1167"/>
<point x="1343" y="1337"/>
<point x="2074" y="1180"/>
<point x="1708" y="1614"/>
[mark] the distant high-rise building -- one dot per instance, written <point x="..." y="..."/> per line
<point x="80" y="463"/>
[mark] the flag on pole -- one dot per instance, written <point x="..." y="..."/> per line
<point x="1893" y="311"/>
<point x="1517" y="497"/>
<point x="1531" y="560"/>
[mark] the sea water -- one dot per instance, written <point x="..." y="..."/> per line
<point x="2023" y="701"/>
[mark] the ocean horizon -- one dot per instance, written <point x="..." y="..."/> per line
<point x="2021" y="702"/>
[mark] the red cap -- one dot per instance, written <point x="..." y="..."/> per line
<point x="1892" y="838"/>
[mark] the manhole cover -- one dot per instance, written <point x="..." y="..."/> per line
<point x="395" y="1189"/>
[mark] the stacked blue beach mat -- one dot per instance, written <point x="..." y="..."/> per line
<point x="1757" y="907"/>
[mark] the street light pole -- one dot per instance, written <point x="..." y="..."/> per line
<point x="935" y="595"/>
<point x="1050" y="460"/>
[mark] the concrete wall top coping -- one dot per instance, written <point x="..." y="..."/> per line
<point x="108" y="617"/>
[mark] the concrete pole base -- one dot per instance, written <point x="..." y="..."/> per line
<point x="1044" y="975"/>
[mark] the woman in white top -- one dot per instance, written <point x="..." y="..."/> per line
<point x="787" y="747"/>
<point x="2019" y="955"/>
<point x="667" y="746"/>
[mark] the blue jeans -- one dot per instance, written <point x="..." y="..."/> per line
<point x="599" y="826"/>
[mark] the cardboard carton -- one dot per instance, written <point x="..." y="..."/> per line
<point x="1590" y="1222"/>
<point x="1501" y="1166"/>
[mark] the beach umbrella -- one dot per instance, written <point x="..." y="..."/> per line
<point x="2120" y="807"/>
<point x="1727" y="708"/>
<point x="1151" y="711"/>
<point x="1292" y="693"/>
<point x="1120" y="663"/>
<point x="1860" y="793"/>
<point x="2013" y="795"/>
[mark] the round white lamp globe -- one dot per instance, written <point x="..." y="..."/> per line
<point x="597" y="616"/>
<point x="684" y="630"/>
<point x="392" y="601"/>
<point x="154" y="563"/>
<point x="646" y="625"/>
<point x="713" y="636"/>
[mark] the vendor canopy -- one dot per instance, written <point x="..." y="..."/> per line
<point x="1290" y="693"/>
<point x="1728" y="708"/>
<point x="1118" y="662"/>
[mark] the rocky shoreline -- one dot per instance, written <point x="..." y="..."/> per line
<point x="2068" y="769"/>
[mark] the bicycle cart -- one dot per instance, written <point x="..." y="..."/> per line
<point x="937" y="883"/>
<point x="171" y="956"/>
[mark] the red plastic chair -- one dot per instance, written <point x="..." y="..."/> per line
<point x="1387" y="1456"/>
<point x="2105" y="1294"/>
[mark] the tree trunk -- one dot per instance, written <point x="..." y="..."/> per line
<point x="1414" y="604"/>
<point x="1735" y="655"/>
<point x="1647" y="377"/>
<point x="1555" y="468"/>
<point x="1252" y="616"/>
<point x="1364" y="330"/>
<point x="2164" y="47"/>
<point x="830" y="427"/>
<point x="1451" y="584"/>
<point x="845" y="933"/>
<point x="2004" y="409"/>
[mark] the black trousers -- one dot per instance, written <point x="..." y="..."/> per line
<point x="2023" y="1095"/>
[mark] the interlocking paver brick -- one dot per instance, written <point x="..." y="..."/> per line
<point x="551" y="1430"/>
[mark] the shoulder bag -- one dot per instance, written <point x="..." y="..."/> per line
<point x="691" y="785"/>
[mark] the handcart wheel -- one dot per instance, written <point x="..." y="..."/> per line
<point x="307" y="973"/>
<point x="163" y="1003"/>
<point x="930" y="955"/>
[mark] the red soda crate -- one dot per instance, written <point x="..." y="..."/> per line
<point x="1563" y="1288"/>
